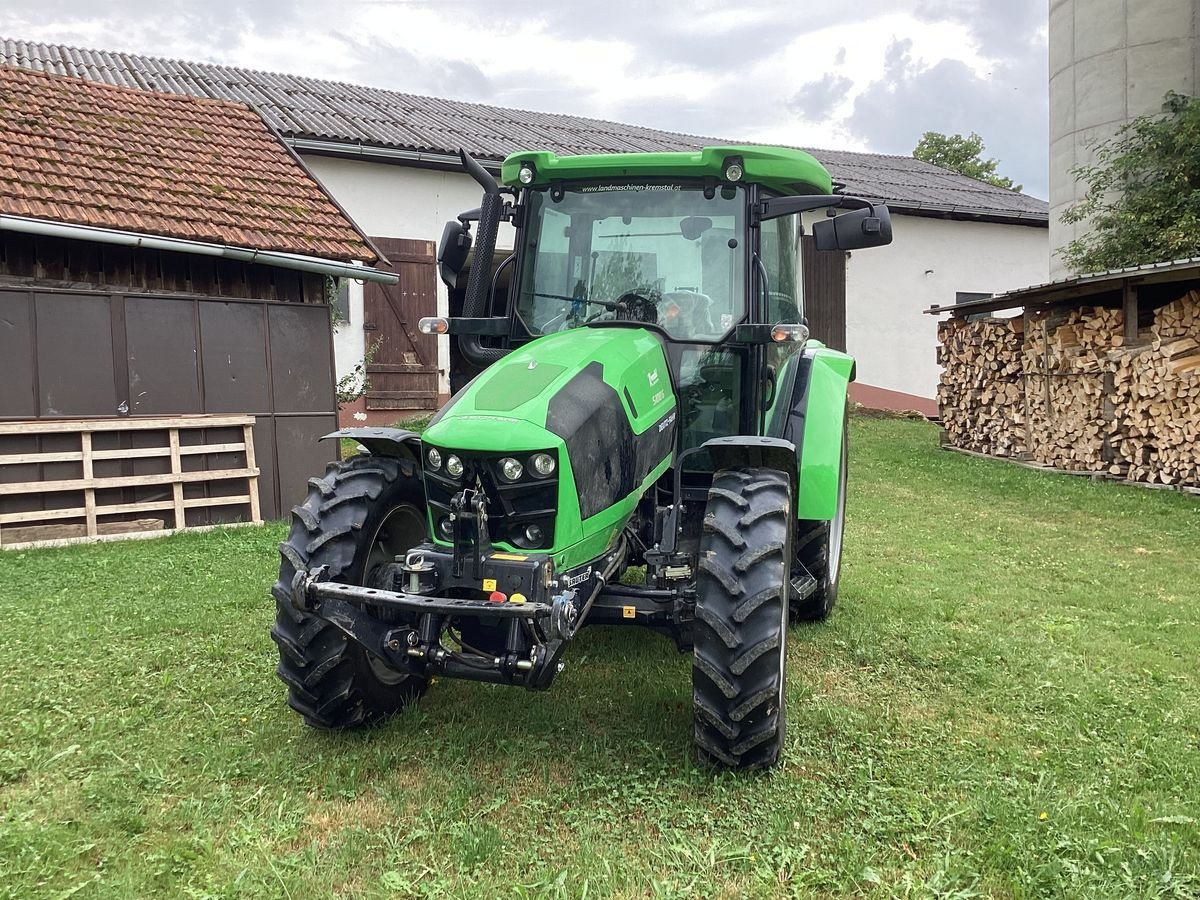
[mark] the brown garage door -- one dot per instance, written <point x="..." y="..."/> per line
<point x="824" y="293"/>
<point x="403" y="374"/>
<point x="68" y="354"/>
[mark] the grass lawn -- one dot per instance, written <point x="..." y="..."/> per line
<point x="1005" y="703"/>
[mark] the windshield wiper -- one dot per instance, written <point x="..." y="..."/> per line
<point x="607" y="304"/>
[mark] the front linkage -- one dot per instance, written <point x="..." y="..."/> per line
<point x="541" y="612"/>
<point x="406" y="605"/>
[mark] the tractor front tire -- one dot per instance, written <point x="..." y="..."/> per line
<point x="741" y="619"/>
<point x="362" y="513"/>
<point x="819" y="552"/>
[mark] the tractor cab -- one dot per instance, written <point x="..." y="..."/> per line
<point x="702" y="247"/>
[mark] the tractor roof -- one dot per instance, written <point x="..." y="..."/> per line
<point x="783" y="170"/>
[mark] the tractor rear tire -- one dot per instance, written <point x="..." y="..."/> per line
<point x="819" y="551"/>
<point x="363" y="512"/>
<point x="741" y="619"/>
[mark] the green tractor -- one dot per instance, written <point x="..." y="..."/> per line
<point x="652" y="439"/>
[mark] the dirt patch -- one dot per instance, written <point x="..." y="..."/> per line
<point x="368" y="812"/>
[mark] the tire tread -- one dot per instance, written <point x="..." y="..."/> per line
<point x="740" y="614"/>
<point x="328" y="680"/>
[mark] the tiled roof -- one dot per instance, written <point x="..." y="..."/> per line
<point x="82" y="153"/>
<point x="309" y="108"/>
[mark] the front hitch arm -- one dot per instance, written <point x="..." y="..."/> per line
<point x="313" y="593"/>
<point x="416" y="646"/>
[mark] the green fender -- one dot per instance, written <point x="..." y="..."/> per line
<point x="810" y="411"/>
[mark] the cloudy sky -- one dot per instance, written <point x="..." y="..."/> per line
<point x="850" y="76"/>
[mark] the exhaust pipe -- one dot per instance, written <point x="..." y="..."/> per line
<point x="479" y="282"/>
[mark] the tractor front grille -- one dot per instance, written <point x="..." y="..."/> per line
<point x="513" y="506"/>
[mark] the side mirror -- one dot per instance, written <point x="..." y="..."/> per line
<point x="854" y="230"/>
<point x="452" y="251"/>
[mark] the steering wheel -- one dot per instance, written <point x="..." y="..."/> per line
<point x="637" y="307"/>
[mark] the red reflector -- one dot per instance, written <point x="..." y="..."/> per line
<point x="497" y="597"/>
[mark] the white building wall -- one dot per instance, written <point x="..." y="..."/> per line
<point x="928" y="261"/>
<point x="398" y="202"/>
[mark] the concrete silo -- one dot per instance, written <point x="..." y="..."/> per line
<point x="1110" y="62"/>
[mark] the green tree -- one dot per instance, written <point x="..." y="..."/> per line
<point x="963" y="155"/>
<point x="1143" y="193"/>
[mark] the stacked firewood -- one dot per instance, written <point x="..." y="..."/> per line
<point x="1069" y="390"/>
<point x="1065" y="386"/>
<point x="1157" y="397"/>
<point x="980" y="394"/>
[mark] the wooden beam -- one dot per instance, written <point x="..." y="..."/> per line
<point x="89" y="494"/>
<point x="248" y="441"/>
<point x="78" y="512"/>
<point x="17" y="459"/>
<point x="79" y="484"/>
<point x="61" y="426"/>
<point x="176" y="484"/>
<point x="1129" y="303"/>
<point x="40" y="533"/>
<point x="135" y="535"/>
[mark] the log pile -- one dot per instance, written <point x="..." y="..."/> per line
<point x="980" y="391"/>
<point x="1157" y="396"/>
<point x="1069" y="390"/>
<point x="1066" y="367"/>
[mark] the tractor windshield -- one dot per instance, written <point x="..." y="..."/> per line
<point x="662" y="253"/>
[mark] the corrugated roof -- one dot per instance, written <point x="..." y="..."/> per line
<point x="82" y="153"/>
<point x="310" y="108"/>
<point x="1085" y="284"/>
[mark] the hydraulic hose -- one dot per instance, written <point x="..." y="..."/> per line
<point x="603" y="578"/>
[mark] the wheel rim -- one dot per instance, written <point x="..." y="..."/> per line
<point x="397" y="533"/>
<point x="783" y="630"/>
<point x="837" y="526"/>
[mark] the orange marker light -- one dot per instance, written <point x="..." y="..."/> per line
<point x="433" y="325"/>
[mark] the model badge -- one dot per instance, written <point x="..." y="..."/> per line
<point x="576" y="580"/>
<point x="653" y="377"/>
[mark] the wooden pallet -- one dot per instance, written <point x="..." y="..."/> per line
<point x="159" y="438"/>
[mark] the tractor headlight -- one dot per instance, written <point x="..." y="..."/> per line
<point x="454" y="466"/>
<point x="542" y="463"/>
<point x="435" y="458"/>
<point x="534" y="536"/>
<point x="510" y="469"/>
<point x="526" y="174"/>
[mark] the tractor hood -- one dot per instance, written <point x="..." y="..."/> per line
<point x="598" y="400"/>
<point x="552" y="382"/>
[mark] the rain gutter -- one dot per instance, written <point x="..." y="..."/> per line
<point x="357" y="149"/>
<point x="198" y="248"/>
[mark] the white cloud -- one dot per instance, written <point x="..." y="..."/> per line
<point x="709" y="68"/>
